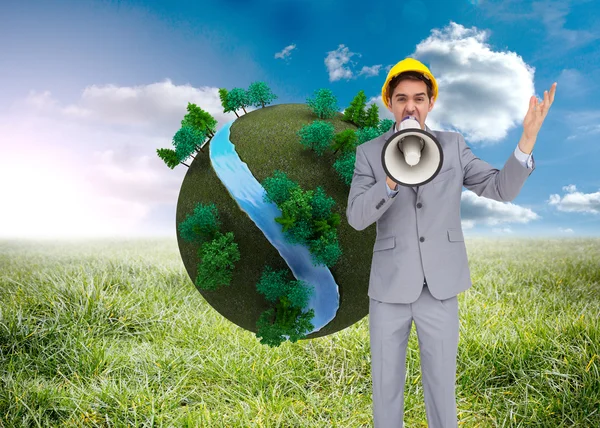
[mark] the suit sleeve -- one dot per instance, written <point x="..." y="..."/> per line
<point x="525" y="159"/>
<point x="482" y="178"/>
<point x="368" y="198"/>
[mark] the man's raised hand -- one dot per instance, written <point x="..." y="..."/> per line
<point x="537" y="113"/>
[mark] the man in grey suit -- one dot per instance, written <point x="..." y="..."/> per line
<point x="419" y="262"/>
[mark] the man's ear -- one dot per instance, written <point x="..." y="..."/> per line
<point x="389" y="105"/>
<point x="431" y="103"/>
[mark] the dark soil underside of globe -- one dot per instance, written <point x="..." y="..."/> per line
<point x="266" y="140"/>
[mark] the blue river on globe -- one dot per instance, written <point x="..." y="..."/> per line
<point x="249" y="193"/>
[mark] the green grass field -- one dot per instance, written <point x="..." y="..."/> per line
<point x="115" y="334"/>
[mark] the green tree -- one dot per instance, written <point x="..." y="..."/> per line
<point x="169" y="157"/>
<point x="260" y="94"/>
<point x="324" y="226"/>
<point x="366" y="134"/>
<point x="272" y="284"/>
<point x="187" y="141"/>
<point x="385" y="125"/>
<point x="218" y="259"/>
<point x="287" y="318"/>
<point x="300" y="233"/>
<point x="200" y="120"/>
<point x="268" y="332"/>
<point x="238" y="99"/>
<point x="372" y="116"/>
<point x="272" y="333"/>
<point x="298" y="206"/>
<point x="344" y="167"/>
<point x="299" y="293"/>
<point x="320" y="227"/>
<point x="225" y="103"/>
<point x="286" y="313"/>
<point x="355" y="113"/>
<point x="286" y="220"/>
<point x="326" y="249"/>
<point x="317" y="136"/>
<point x="278" y="188"/>
<point x="324" y="104"/>
<point x="321" y="204"/>
<point x="202" y="225"/>
<point x="302" y="326"/>
<point x="345" y="140"/>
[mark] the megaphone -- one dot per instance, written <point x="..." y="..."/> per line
<point x="412" y="156"/>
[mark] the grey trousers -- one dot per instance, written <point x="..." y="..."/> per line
<point x="437" y="331"/>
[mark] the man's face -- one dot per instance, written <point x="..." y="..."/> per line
<point x="410" y="99"/>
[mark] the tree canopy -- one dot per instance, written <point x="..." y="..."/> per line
<point x="169" y="157"/>
<point x="366" y="134"/>
<point x="355" y="113"/>
<point x="260" y="94"/>
<point x="187" y="141"/>
<point x="201" y="225"/>
<point x="224" y="102"/>
<point x="237" y="99"/>
<point x="218" y="258"/>
<point x="385" y="125"/>
<point x="324" y="104"/>
<point x="278" y="187"/>
<point x="345" y="140"/>
<point x="372" y="116"/>
<point x="287" y="318"/>
<point x="199" y="119"/>
<point x="317" y="136"/>
<point x="344" y="166"/>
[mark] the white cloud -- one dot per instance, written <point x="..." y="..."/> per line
<point x="286" y="52"/>
<point x="40" y="101"/>
<point x="575" y="201"/>
<point x="157" y="106"/>
<point x="484" y="211"/>
<point x="482" y="93"/>
<point x="339" y="65"/>
<point x="336" y="63"/>
<point x="370" y="71"/>
<point x="567" y="230"/>
<point x="90" y="168"/>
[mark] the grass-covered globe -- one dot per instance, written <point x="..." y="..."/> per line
<point x="228" y="257"/>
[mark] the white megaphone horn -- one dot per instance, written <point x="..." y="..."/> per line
<point x="412" y="156"/>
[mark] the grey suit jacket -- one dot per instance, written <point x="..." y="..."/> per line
<point x="419" y="233"/>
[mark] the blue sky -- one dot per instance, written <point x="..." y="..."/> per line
<point x="89" y="90"/>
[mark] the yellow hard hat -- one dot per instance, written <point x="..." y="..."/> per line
<point x="409" y="64"/>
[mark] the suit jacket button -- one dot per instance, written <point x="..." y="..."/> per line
<point x="419" y="205"/>
<point x="421" y="239"/>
